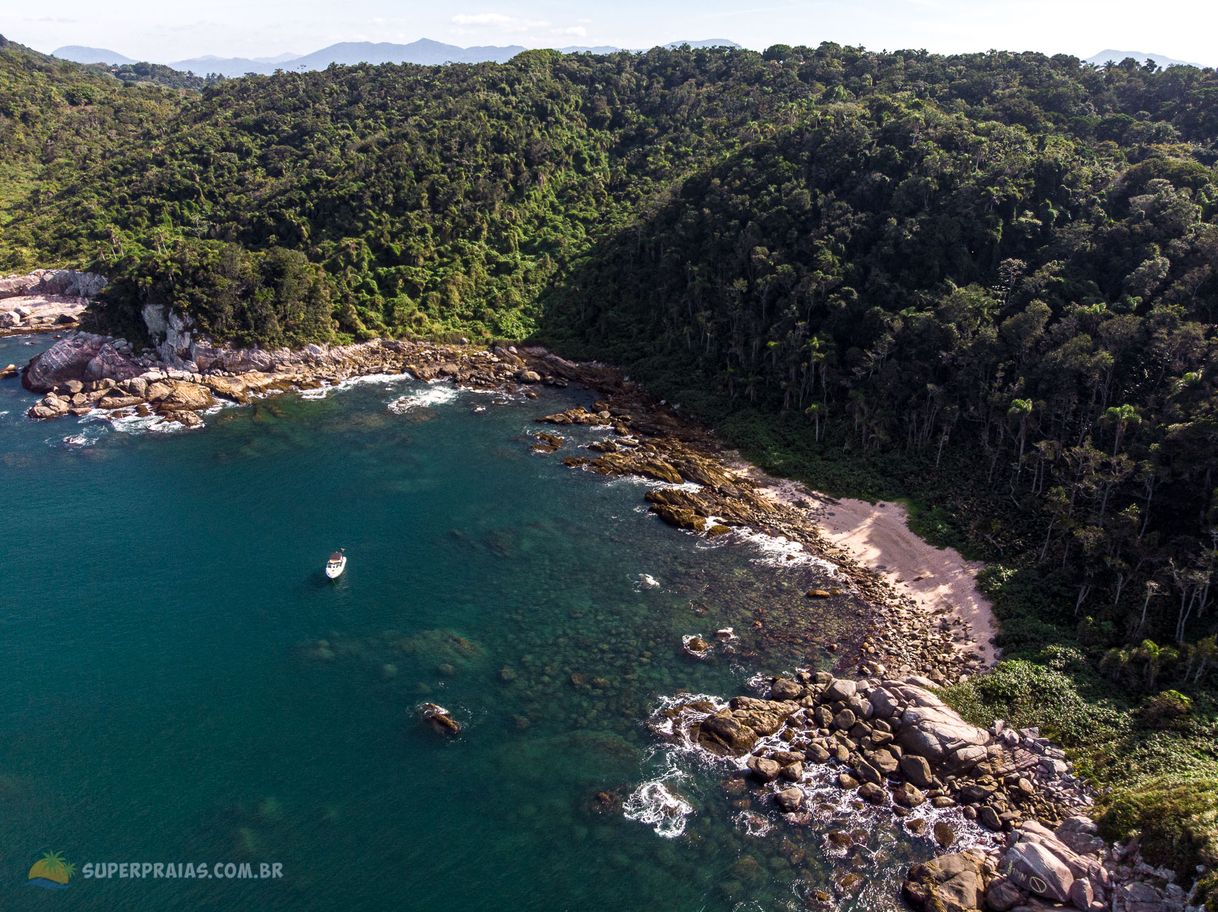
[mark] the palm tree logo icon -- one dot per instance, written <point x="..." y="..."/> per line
<point x="51" y="872"/>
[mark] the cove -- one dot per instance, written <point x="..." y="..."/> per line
<point x="183" y="685"/>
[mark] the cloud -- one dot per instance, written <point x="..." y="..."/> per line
<point x="500" y="21"/>
<point x="530" y="31"/>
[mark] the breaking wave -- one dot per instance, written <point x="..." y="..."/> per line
<point x="657" y="806"/>
<point x="322" y="392"/>
<point x="424" y="398"/>
<point x="777" y="551"/>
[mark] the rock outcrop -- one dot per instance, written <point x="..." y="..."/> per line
<point x="897" y="745"/>
<point x="1069" y="867"/>
<point x="651" y="441"/>
<point x="900" y="739"/>
<point x="86" y="371"/>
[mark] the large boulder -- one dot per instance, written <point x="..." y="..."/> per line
<point x="83" y="357"/>
<point x="51" y="406"/>
<point x="917" y="771"/>
<point x="785" y="689"/>
<point x="949" y="883"/>
<point x="180" y="395"/>
<point x="65" y="282"/>
<point x="932" y="729"/>
<point x="1035" y="869"/>
<point x="840" y="689"/>
<point x="735" y="730"/>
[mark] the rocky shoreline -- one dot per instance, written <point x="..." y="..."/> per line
<point x="894" y="745"/>
<point x="891" y="742"/>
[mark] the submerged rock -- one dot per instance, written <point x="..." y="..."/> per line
<point x="439" y="719"/>
<point x="695" y="646"/>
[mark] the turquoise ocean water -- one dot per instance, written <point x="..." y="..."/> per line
<point x="181" y="684"/>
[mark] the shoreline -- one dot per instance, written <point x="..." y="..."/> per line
<point x="878" y="536"/>
<point x="909" y="631"/>
<point x="848" y="729"/>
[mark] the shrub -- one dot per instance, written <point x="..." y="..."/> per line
<point x="1165" y="710"/>
<point x="1026" y="694"/>
<point x="1177" y="819"/>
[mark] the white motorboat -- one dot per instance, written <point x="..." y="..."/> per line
<point x="336" y="564"/>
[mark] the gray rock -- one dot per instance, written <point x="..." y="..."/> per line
<point x="844" y="719"/>
<point x="817" y="753"/>
<point x="988" y="818"/>
<point x="883" y="760"/>
<point x="793" y="771"/>
<point x="841" y="689"/>
<point x="764" y="769"/>
<point x="917" y="771"/>
<point x="1002" y="895"/>
<point x="908" y="796"/>
<point x="870" y="791"/>
<point x="1034" y="868"/>
<point x="1081" y="894"/>
<point x="785" y="689"/>
<point x="944" y="833"/>
<point x="790" y="799"/>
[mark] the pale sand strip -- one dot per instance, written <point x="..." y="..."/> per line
<point x="879" y="537"/>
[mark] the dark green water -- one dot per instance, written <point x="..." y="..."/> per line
<point x="165" y="697"/>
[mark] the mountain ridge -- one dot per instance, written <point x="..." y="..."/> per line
<point x="79" y="53"/>
<point x="422" y="51"/>
<point x="1108" y="55"/>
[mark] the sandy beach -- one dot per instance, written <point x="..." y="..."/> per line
<point x="879" y="537"/>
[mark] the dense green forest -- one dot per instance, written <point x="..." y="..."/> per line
<point x="985" y="282"/>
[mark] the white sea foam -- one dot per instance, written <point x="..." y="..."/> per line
<point x="137" y="424"/>
<point x="647" y="581"/>
<point x="777" y="551"/>
<point x="826" y="804"/>
<point x="653" y="803"/>
<point x="754" y="824"/>
<point x="425" y="398"/>
<point x="676" y="716"/>
<point x="322" y="392"/>
<point x="78" y="441"/>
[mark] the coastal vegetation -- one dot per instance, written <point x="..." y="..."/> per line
<point x="985" y="282"/>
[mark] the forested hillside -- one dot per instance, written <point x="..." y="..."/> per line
<point x="57" y="121"/>
<point x="987" y="282"/>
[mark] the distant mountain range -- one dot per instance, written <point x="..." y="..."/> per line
<point x="1111" y="56"/>
<point x="424" y="51"/>
<point x="80" y="54"/>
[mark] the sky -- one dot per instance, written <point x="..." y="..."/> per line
<point x="163" y="31"/>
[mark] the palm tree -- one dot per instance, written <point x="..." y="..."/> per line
<point x="1201" y="655"/>
<point x="1122" y="416"/>
<point x="1156" y="657"/>
<point x="1021" y="409"/>
<point x="813" y="411"/>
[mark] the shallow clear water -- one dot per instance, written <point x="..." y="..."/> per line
<point x="165" y="696"/>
